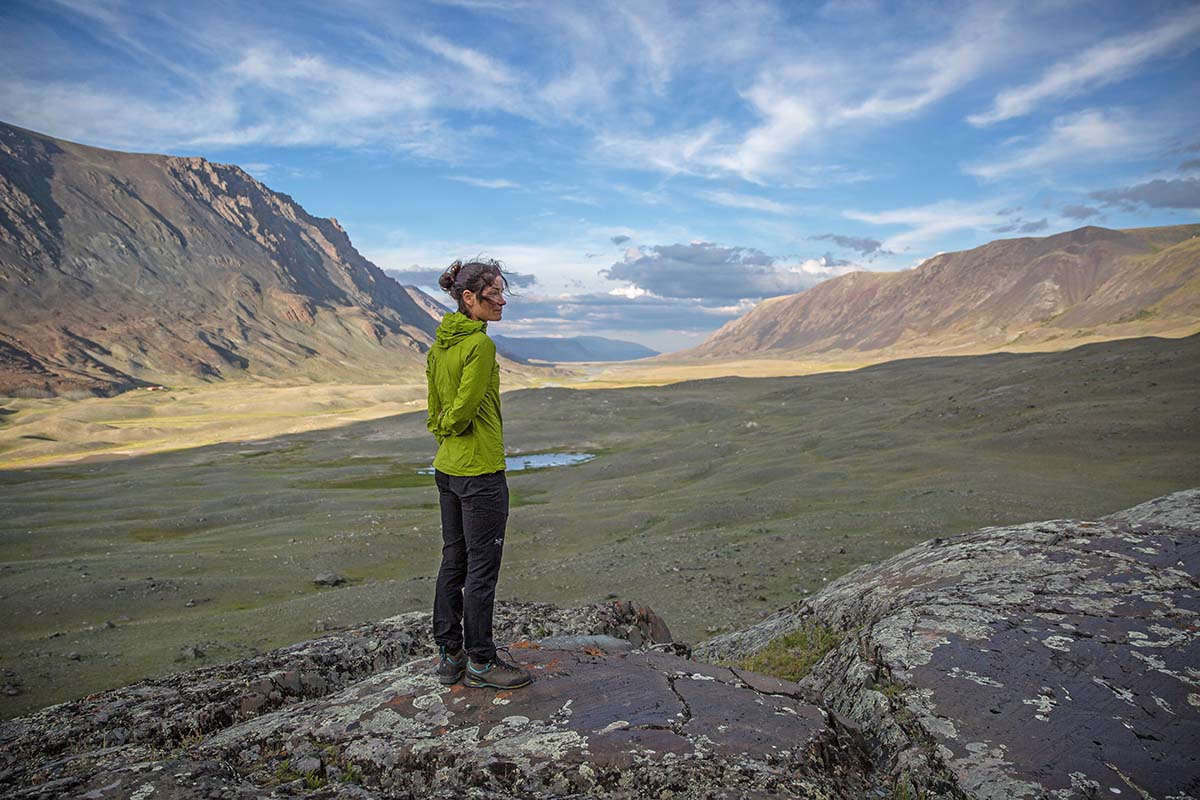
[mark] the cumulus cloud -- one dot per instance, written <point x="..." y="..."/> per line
<point x="1176" y="193"/>
<point x="715" y="274"/>
<point x="1079" y="211"/>
<point x="863" y="244"/>
<point x="1107" y="62"/>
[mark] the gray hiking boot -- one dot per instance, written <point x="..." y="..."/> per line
<point x="497" y="674"/>
<point x="451" y="665"/>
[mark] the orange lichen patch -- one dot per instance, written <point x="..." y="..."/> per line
<point x="525" y="644"/>
<point x="592" y="650"/>
<point x="400" y="701"/>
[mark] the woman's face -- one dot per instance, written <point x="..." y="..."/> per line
<point x="488" y="305"/>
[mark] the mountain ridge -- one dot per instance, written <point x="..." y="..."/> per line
<point x="119" y="270"/>
<point x="1023" y="293"/>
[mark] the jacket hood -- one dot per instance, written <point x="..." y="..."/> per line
<point x="455" y="327"/>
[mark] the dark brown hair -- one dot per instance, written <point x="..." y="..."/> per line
<point x="475" y="275"/>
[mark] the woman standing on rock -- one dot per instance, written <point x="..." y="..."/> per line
<point x="464" y="415"/>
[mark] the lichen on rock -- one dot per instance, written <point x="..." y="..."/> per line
<point x="1051" y="659"/>
<point x="602" y="718"/>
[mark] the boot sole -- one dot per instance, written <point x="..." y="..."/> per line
<point x="476" y="683"/>
<point x="447" y="680"/>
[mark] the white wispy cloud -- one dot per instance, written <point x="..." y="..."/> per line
<point x="735" y="200"/>
<point x="935" y="71"/>
<point x="789" y="117"/>
<point x="1104" y="63"/>
<point x="654" y="40"/>
<point x="1084" y="136"/>
<point x="476" y="62"/>
<point x="676" y="153"/>
<point x="930" y="223"/>
<point x="798" y="101"/>
<point x="485" y="183"/>
<point x="489" y="82"/>
<point x="115" y="118"/>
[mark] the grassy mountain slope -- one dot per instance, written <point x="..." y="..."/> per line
<point x="1029" y="293"/>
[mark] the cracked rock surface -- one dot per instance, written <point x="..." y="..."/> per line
<point x="1056" y="659"/>
<point x="600" y="719"/>
<point x="59" y="746"/>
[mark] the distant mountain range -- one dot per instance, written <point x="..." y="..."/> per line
<point x="567" y="349"/>
<point x="546" y="348"/>
<point x="1023" y="294"/>
<point x="121" y="269"/>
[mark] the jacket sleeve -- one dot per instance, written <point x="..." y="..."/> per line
<point x="434" y="403"/>
<point x="476" y="374"/>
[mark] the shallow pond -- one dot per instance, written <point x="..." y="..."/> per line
<point x="535" y="461"/>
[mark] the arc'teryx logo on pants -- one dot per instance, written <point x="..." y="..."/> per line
<point x="498" y="542"/>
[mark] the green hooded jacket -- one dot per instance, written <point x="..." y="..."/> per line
<point x="464" y="398"/>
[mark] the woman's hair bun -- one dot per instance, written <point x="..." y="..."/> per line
<point x="446" y="281"/>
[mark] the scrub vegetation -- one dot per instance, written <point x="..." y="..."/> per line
<point x="793" y="655"/>
<point x="714" y="502"/>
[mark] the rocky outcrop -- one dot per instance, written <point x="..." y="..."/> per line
<point x="359" y="714"/>
<point x="1056" y="659"/>
<point x="1048" y="660"/>
<point x="157" y="715"/>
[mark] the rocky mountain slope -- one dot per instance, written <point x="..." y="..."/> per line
<point x="1048" y="660"/>
<point x="121" y="269"/>
<point x="1024" y="294"/>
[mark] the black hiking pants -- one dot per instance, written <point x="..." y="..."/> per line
<point x="474" y="513"/>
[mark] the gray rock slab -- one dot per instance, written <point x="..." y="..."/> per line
<point x="1057" y="659"/>
<point x="148" y="721"/>
<point x="609" y="644"/>
<point x="591" y="723"/>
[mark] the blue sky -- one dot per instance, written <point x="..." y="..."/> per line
<point x="650" y="170"/>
